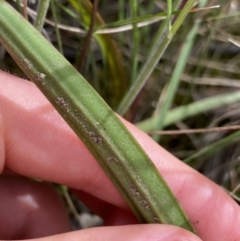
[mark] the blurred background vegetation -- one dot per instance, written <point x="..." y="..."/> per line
<point x="189" y="100"/>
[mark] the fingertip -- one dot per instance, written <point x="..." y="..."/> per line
<point x="161" y="232"/>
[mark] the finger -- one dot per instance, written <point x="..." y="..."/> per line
<point x="37" y="138"/>
<point x="30" y="210"/>
<point x="150" y="232"/>
<point x="111" y="214"/>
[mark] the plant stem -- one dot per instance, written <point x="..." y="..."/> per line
<point x="88" y="37"/>
<point x="59" y="41"/>
<point x="41" y="14"/>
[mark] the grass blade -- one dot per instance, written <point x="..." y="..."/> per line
<point x="41" y="14"/>
<point x="59" y="41"/>
<point x="195" y="108"/>
<point x="210" y="150"/>
<point x="154" y="56"/>
<point x="136" y="40"/>
<point x="93" y="121"/>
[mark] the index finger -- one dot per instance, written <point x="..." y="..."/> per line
<point x="36" y="142"/>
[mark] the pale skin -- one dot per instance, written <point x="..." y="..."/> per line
<point x="36" y="142"/>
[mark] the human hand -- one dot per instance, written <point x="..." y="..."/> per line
<point x="36" y="142"/>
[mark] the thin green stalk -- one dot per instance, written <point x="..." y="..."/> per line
<point x="169" y="17"/>
<point x="41" y="14"/>
<point x="108" y="140"/>
<point x="131" y="21"/>
<point x="135" y="42"/>
<point x="153" y="59"/>
<point x="166" y="99"/>
<point x="167" y="96"/>
<point x="67" y="10"/>
<point x="211" y="149"/>
<point x="121" y="14"/>
<point x="59" y="41"/>
<point x="141" y="21"/>
<point x="192" y="109"/>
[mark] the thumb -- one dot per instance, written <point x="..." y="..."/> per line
<point x="140" y="232"/>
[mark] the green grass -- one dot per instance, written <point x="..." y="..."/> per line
<point x="186" y="82"/>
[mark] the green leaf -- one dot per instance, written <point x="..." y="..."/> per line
<point x="121" y="157"/>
